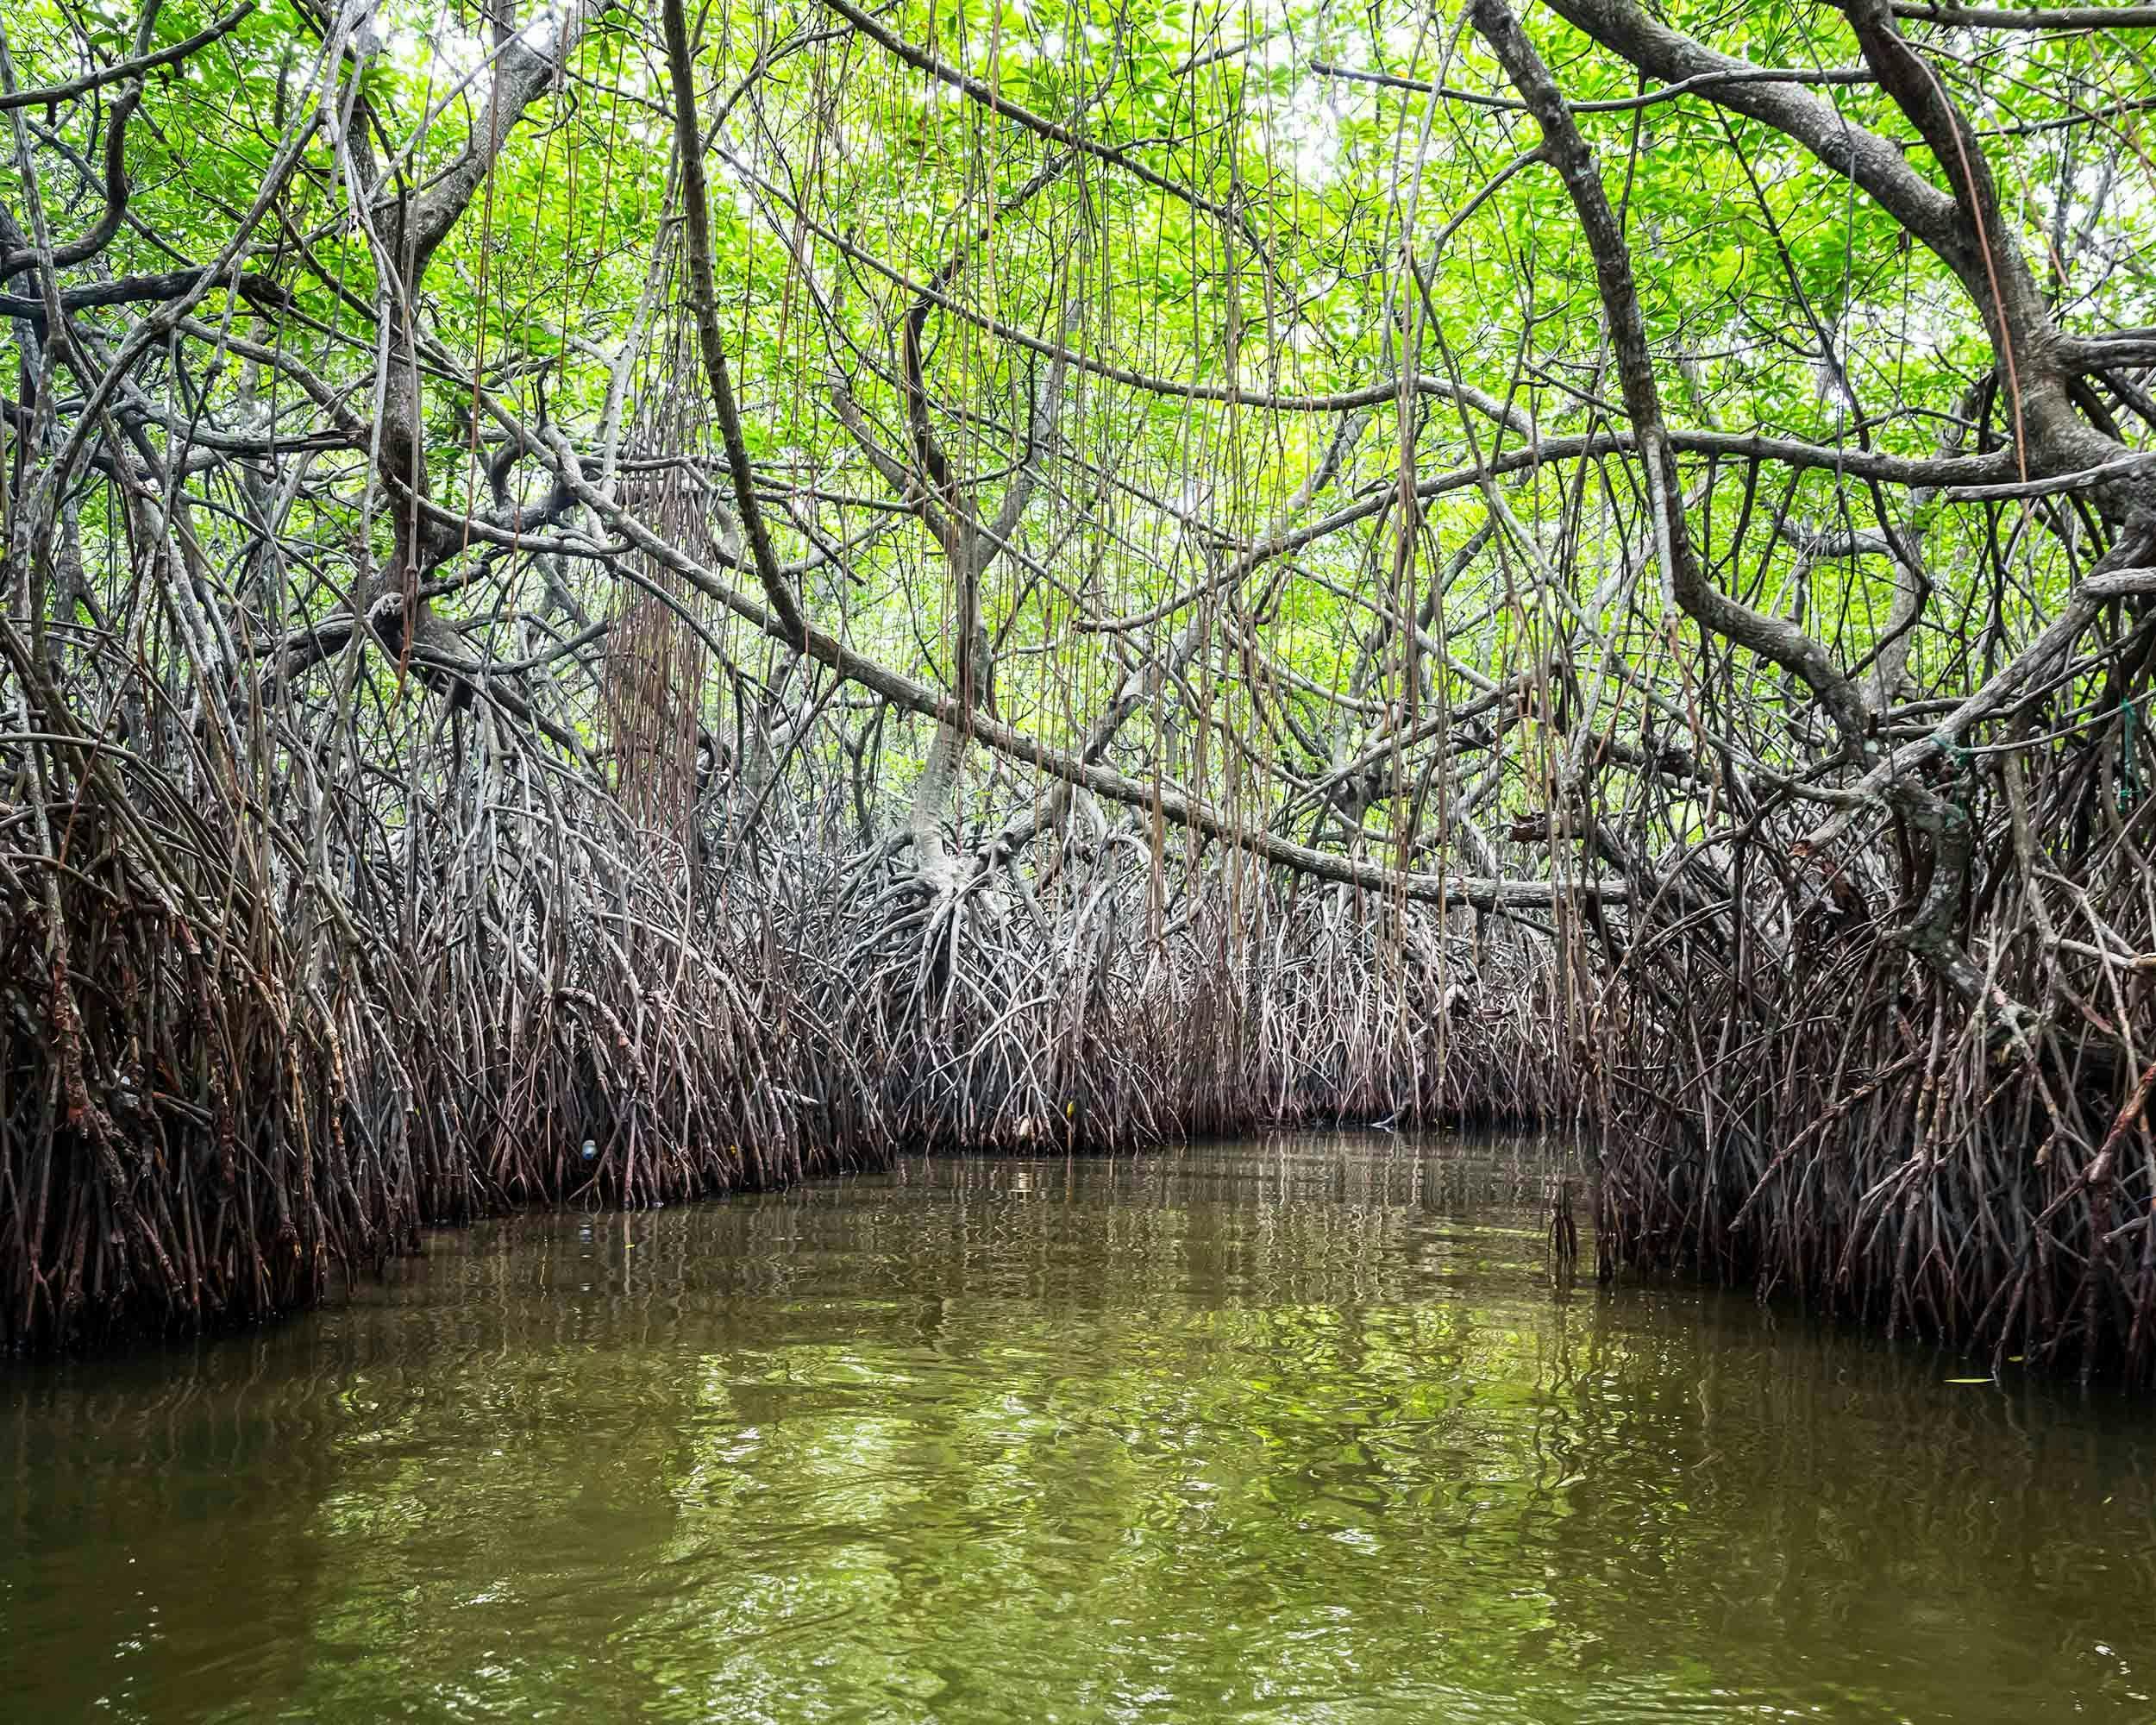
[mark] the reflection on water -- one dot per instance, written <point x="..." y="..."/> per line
<point x="1296" y="1431"/>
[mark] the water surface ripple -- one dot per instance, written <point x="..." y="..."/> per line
<point x="1294" y="1431"/>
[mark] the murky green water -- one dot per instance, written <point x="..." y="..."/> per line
<point x="1295" y="1432"/>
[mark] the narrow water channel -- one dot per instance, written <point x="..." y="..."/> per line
<point x="1288" y="1431"/>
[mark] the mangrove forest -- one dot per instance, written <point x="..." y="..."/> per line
<point x="973" y="860"/>
<point x="603" y="606"/>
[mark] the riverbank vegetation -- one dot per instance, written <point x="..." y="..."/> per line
<point x="609" y="601"/>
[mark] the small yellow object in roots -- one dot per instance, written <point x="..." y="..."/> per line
<point x="1968" y="1380"/>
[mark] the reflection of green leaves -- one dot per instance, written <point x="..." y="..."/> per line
<point x="1211" y="1439"/>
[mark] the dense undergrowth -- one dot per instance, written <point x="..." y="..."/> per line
<point x="233" y="1086"/>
